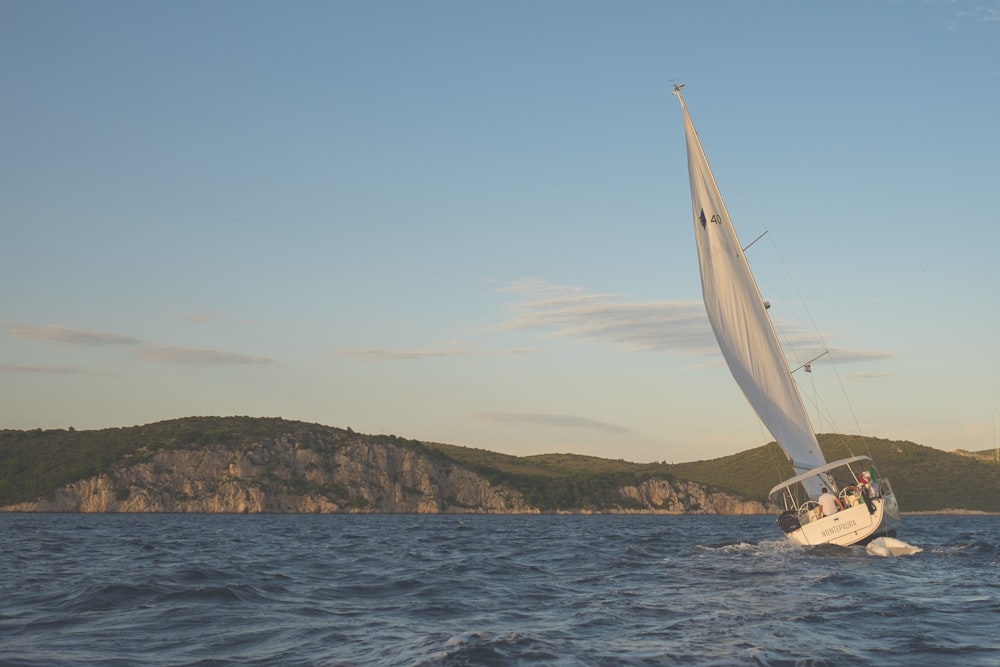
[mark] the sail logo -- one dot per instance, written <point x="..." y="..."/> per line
<point x="716" y="219"/>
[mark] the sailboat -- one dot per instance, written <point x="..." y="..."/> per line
<point x="866" y="505"/>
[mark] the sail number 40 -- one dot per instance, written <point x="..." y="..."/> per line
<point x="716" y="218"/>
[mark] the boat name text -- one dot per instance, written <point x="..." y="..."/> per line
<point x="839" y="528"/>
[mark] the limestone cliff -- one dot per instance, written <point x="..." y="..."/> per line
<point x="284" y="475"/>
<point x="331" y="471"/>
<point x="681" y="497"/>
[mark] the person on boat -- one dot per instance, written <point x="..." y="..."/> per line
<point x="869" y="490"/>
<point x="866" y="481"/>
<point x="828" y="503"/>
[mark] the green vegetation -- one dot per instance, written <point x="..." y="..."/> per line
<point x="554" y="482"/>
<point x="924" y="479"/>
<point x="35" y="463"/>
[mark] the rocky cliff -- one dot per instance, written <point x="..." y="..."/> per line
<point x="681" y="497"/>
<point x="284" y="475"/>
<point x="327" y="472"/>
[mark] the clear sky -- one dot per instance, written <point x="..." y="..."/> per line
<point x="469" y="222"/>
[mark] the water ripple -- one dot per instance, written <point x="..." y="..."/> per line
<point x="173" y="590"/>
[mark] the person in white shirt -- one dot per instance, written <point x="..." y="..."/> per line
<point x="829" y="503"/>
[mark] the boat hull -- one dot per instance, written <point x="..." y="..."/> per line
<point x="851" y="526"/>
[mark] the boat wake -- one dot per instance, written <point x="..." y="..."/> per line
<point x="890" y="547"/>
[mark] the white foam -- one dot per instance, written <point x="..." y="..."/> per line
<point x="889" y="547"/>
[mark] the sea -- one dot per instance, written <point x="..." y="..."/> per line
<point x="482" y="590"/>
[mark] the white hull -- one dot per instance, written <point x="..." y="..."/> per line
<point x="854" y="525"/>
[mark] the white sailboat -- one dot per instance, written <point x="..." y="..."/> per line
<point x="751" y="349"/>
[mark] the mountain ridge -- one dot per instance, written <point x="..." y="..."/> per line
<point x="254" y="464"/>
<point x="243" y="464"/>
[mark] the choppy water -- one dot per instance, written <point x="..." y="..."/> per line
<point x="487" y="590"/>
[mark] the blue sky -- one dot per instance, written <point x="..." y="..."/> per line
<point x="469" y="222"/>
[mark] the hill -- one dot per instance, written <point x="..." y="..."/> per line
<point x="39" y="463"/>
<point x="924" y="479"/>
<point x="241" y="464"/>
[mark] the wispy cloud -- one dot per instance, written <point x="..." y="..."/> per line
<point x="559" y="421"/>
<point x="211" y="317"/>
<point x="377" y="354"/>
<point x="679" y="326"/>
<point x="808" y="352"/>
<point x="57" y="334"/>
<point x="184" y="355"/>
<point x="869" y="376"/>
<point x="981" y="13"/>
<point x="846" y="356"/>
<point x="156" y="353"/>
<point x="201" y="317"/>
<point x="48" y="370"/>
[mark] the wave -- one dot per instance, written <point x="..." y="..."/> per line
<point x="488" y="648"/>
<point x="583" y="591"/>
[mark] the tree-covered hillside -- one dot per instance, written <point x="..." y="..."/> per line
<point x="924" y="479"/>
<point x="35" y="463"/>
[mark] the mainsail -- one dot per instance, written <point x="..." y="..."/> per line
<point x="739" y="317"/>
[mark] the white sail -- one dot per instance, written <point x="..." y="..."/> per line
<point x="739" y="317"/>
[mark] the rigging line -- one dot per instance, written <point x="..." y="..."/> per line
<point x="850" y="407"/>
<point x="758" y="220"/>
<point x="824" y="416"/>
<point x="779" y="465"/>
<point x="747" y="202"/>
<point x="720" y="168"/>
<point x="819" y="336"/>
<point x="821" y="414"/>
